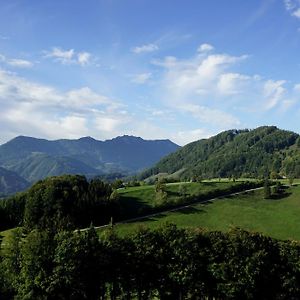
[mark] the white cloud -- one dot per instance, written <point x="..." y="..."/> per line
<point x="208" y="89"/>
<point x="16" y="62"/>
<point x="34" y="109"/>
<point x="108" y="124"/>
<point x="297" y="87"/>
<point x="296" y="13"/>
<point x="20" y="63"/>
<point x="205" y="48"/>
<point x="211" y="115"/>
<point x="145" y="48"/>
<point x="199" y="75"/>
<point x="83" y="58"/>
<point x="63" y="56"/>
<point x="273" y="92"/>
<point x="186" y="136"/>
<point x="141" y="78"/>
<point x="293" y="7"/>
<point x="69" y="56"/>
<point x="231" y="83"/>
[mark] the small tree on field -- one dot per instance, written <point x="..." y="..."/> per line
<point x="267" y="189"/>
<point x="182" y="190"/>
<point x="291" y="179"/>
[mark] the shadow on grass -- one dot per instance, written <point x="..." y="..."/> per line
<point x="172" y="193"/>
<point x="279" y="196"/>
<point x="133" y="207"/>
<point x="148" y="219"/>
<point x="189" y="210"/>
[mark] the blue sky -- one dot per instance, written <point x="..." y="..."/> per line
<point x="181" y="70"/>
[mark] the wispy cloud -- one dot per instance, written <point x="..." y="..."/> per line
<point x="186" y="136"/>
<point x="16" y="62"/>
<point x="83" y="58"/>
<point x="20" y="63"/>
<point x="68" y="56"/>
<point x="141" y="78"/>
<point x="293" y="7"/>
<point x="145" y="48"/>
<point x="205" y="48"/>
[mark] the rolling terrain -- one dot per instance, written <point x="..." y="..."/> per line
<point x="241" y="153"/>
<point x="33" y="159"/>
<point x="277" y="218"/>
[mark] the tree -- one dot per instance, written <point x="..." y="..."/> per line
<point x="182" y="190"/>
<point x="291" y="179"/>
<point x="118" y="183"/>
<point x="79" y="266"/>
<point x="267" y="189"/>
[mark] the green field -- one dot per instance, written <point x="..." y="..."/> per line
<point x="141" y="200"/>
<point x="278" y="218"/>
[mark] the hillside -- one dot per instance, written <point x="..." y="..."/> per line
<point x="11" y="182"/>
<point x="246" y="153"/>
<point x="34" y="159"/>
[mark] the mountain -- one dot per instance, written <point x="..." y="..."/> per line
<point x="10" y="182"/>
<point x="235" y="153"/>
<point x="34" y="159"/>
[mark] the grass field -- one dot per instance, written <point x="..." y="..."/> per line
<point x="141" y="200"/>
<point x="277" y="218"/>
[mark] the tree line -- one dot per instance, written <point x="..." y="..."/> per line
<point x="166" y="263"/>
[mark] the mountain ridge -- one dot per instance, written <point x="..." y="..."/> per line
<point x="247" y="153"/>
<point x="37" y="158"/>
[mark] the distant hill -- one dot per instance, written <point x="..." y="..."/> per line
<point x="247" y="153"/>
<point x="10" y="182"/>
<point x="34" y="159"/>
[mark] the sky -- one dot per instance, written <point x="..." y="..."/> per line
<point x="175" y="69"/>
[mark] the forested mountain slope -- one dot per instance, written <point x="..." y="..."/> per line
<point x="34" y="159"/>
<point x="11" y="182"/>
<point x="253" y="153"/>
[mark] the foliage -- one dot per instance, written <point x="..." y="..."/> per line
<point x="267" y="189"/>
<point x="167" y="263"/>
<point x="239" y="153"/>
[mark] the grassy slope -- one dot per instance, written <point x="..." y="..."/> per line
<point x="146" y="193"/>
<point x="277" y="218"/>
<point x="138" y="200"/>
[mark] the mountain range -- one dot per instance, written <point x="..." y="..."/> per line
<point x="31" y="159"/>
<point x="261" y="152"/>
<point x="264" y="151"/>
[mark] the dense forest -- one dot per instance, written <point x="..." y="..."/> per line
<point x="265" y="151"/>
<point x="167" y="263"/>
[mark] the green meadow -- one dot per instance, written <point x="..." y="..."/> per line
<point x="278" y="218"/>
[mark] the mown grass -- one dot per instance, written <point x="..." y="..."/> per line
<point x="146" y="194"/>
<point x="276" y="218"/>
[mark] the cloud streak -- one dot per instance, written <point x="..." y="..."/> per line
<point x="16" y="62"/>
<point x="145" y="48"/>
<point x="68" y="57"/>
